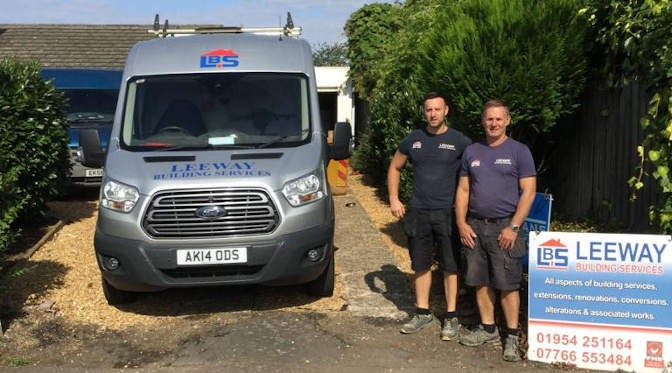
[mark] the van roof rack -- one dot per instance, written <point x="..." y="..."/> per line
<point x="289" y="29"/>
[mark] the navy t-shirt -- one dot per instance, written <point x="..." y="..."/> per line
<point x="436" y="165"/>
<point x="494" y="172"/>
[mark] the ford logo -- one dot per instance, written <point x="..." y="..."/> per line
<point x="211" y="212"/>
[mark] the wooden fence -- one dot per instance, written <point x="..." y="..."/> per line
<point x="597" y="154"/>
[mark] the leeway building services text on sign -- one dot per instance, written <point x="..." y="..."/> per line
<point x="601" y="301"/>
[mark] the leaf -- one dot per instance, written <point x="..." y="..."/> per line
<point x="654" y="155"/>
<point x="653" y="105"/>
<point x="644" y="122"/>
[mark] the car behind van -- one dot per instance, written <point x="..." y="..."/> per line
<point x="215" y="172"/>
<point x="92" y="98"/>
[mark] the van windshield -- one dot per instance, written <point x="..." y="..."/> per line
<point x="88" y="107"/>
<point x="216" y="110"/>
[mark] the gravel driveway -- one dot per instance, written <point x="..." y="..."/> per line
<point x="64" y="323"/>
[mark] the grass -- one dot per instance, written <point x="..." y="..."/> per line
<point x="16" y="361"/>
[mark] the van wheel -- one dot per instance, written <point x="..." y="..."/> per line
<point x="323" y="286"/>
<point x="115" y="296"/>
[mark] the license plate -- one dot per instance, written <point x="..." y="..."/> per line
<point x="94" y="173"/>
<point x="211" y="256"/>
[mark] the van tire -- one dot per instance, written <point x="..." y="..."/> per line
<point x="323" y="286"/>
<point x="115" y="296"/>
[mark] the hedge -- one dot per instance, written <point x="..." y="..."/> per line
<point x="35" y="160"/>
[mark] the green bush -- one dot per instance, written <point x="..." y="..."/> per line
<point x="35" y="160"/>
<point x="530" y="53"/>
<point x="387" y="129"/>
<point x="396" y="102"/>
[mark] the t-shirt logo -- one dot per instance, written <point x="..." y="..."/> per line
<point x="443" y="145"/>
<point x="475" y="163"/>
<point x="417" y="145"/>
<point x="502" y="161"/>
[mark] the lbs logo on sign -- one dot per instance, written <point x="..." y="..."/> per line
<point x="552" y="255"/>
<point x="219" y="58"/>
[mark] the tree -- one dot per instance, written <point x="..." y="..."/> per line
<point x="330" y="54"/>
<point x="531" y="53"/>
<point x="394" y="93"/>
<point x="370" y="31"/>
<point x="635" y="38"/>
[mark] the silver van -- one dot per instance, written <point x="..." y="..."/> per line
<point x="215" y="172"/>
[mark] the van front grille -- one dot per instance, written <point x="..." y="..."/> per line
<point x="173" y="214"/>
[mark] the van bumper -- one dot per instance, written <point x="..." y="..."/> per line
<point x="79" y="177"/>
<point x="152" y="266"/>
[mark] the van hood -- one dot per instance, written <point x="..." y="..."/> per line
<point x="104" y="132"/>
<point x="266" y="168"/>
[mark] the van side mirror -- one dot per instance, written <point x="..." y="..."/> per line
<point x="94" y="155"/>
<point x="343" y="143"/>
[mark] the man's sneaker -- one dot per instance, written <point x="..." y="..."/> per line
<point x="511" y="351"/>
<point x="449" y="332"/>
<point x="479" y="336"/>
<point x="417" y="323"/>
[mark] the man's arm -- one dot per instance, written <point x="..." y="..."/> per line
<point x="528" y="186"/>
<point x="393" y="172"/>
<point x="467" y="234"/>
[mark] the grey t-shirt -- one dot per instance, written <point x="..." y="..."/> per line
<point x="494" y="172"/>
<point x="436" y="164"/>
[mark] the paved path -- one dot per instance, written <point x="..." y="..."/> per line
<point x="374" y="286"/>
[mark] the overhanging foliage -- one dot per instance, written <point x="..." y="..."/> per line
<point x="635" y="38"/>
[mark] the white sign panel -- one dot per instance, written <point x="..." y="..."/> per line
<point x="601" y="301"/>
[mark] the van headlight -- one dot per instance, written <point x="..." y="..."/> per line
<point x="303" y="190"/>
<point x="76" y="154"/>
<point x="119" y="197"/>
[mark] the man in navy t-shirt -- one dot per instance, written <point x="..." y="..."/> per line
<point x="494" y="195"/>
<point x="435" y="152"/>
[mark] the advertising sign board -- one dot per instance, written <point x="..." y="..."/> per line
<point x="538" y="219"/>
<point x="601" y="301"/>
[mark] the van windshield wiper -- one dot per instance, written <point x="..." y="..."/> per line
<point x="280" y="138"/>
<point x="169" y="148"/>
<point x="90" y="120"/>
<point x="89" y="117"/>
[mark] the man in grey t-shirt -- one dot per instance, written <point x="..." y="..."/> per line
<point x="494" y="195"/>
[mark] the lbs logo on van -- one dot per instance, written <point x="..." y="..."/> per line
<point x="219" y="58"/>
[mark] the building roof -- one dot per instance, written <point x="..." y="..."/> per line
<point x="75" y="46"/>
<point x="331" y="78"/>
